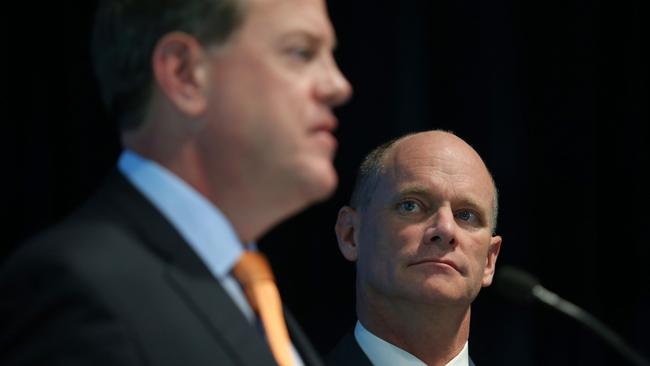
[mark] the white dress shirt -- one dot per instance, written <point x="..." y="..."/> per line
<point x="382" y="353"/>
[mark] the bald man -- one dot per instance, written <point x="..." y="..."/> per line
<point x="420" y="229"/>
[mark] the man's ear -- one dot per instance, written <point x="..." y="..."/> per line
<point x="180" y="70"/>
<point x="346" y="230"/>
<point x="491" y="260"/>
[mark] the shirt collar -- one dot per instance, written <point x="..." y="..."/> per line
<point x="382" y="353"/>
<point x="205" y="228"/>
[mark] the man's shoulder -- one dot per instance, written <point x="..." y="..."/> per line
<point x="82" y="265"/>
<point x="99" y="229"/>
<point x="80" y="246"/>
<point x="347" y="352"/>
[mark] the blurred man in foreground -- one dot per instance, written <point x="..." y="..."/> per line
<point x="226" y="114"/>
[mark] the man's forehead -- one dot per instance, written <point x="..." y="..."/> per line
<point x="422" y="173"/>
<point x="310" y="15"/>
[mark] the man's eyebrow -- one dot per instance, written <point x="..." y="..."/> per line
<point x="312" y="36"/>
<point x="416" y="190"/>
<point x="471" y="203"/>
<point x="467" y="201"/>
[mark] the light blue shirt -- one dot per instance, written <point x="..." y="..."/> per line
<point x="203" y="226"/>
<point x="382" y="353"/>
<point x="207" y="231"/>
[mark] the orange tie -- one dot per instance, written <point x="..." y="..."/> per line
<point x="254" y="275"/>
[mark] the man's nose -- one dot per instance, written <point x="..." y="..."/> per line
<point x="442" y="230"/>
<point x="333" y="88"/>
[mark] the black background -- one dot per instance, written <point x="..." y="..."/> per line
<point x="554" y="95"/>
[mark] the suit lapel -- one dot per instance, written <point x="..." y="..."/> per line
<point x="186" y="273"/>
<point x="308" y="354"/>
<point x="210" y="301"/>
<point x="348" y="353"/>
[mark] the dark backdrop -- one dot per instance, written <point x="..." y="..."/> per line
<point x="554" y="95"/>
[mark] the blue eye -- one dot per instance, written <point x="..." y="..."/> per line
<point x="468" y="216"/>
<point x="409" y="206"/>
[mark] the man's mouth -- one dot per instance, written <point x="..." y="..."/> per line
<point x="436" y="261"/>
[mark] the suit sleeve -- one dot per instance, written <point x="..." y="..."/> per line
<point x="49" y="315"/>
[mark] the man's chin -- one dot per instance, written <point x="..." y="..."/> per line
<point x="321" y="184"/>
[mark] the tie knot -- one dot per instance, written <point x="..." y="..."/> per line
<point x="251" y="268"/>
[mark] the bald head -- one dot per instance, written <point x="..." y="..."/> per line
<point x="446" y="150"/>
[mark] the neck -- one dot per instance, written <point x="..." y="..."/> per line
<point x="250" y="214"/>
<point x="434" y="334"/>
<point x="198" y="157"/>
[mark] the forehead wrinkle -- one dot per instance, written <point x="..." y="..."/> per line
<point x="449" y="192"/>
<point x="437" y="141"/>
<point x="460" y="166"/>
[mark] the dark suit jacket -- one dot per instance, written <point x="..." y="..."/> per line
<point x="348" y="353"/>
<point x="115" y="284"/>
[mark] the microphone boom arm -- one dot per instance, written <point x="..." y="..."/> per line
<point x="573" y="311"/>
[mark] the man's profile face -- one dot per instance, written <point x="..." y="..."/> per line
<point x="273" y="87"/>
<point x="425" y="236"/>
